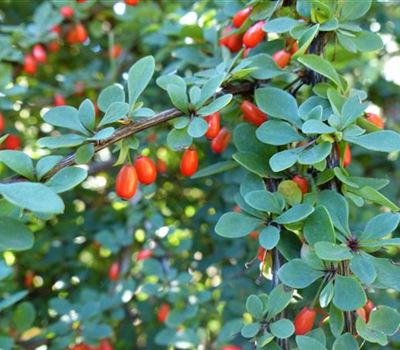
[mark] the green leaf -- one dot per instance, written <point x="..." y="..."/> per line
<point x="6" y="343"/>
<point x="269" y="237"/>
<point x="165" y="80"/>
<point x="374" y="196"/>
<point x="308" y="343"/>
<point x="279" y="299"/>
<point x="84" y="153"/>
<point x="363" y="268"/>
<point x="381" y="141"/>
<point x="234" y="225"/>
<point x="326" y="295"/>
<point x="178" y="97"/>
<point x="139" y="76"/>
<point x="332" y="252"/>
<point x="263" y="201"/>
<point x="336" y="320"/>
<point x="282" y="328"/>
<point x="29" y="195"/>
<point x="255" y="306"/>
<point x="290" y="191"/>
<point x="280" y="25"/>
<point x="318" y="227"/>
<point x="63" y="141"/>
<point x="366" y="41"/>
<point x="266" y="68"/>
<point x="370" y="334"/>
<point x="24" y="316"/>
<point x="14" y="235"/>
<point x="102" y="134"/>
<point x="115" y="111"/>
<point x="385" y="319"/>
<point x="315" y="154"/>
<point x="283" y="160"/>
<point x="253" y="162"/>
<point x="352" y="109"/>
<point x="66" y="117"/>
<point x="349" y="294"/>
<point x="197" y="127"/>
<point x="275" y="132"/>
<point x="45" y="164"/>
<point x="338" y="209"/>
<point x="296" y="213"/>
<point x="277" y="103"/>
<point x="87" y="114"/>
<point x="19" y="162"/>
<point x="351" y="10"/>
<point x="179" y="139"/>
<point x="210" y="88"/>
<point x="380" y="226"/>
<point x="321" y="66"/>
<point x="66" y="179"/>
<point x="345" y="342"/>
<point x="315" y="126"/>
<point x="215" y="105"/>
<point x="250" y="330"/>
<point x="215" y="168"/>
<point x="306" y="39"/>
<point x="297" y="274"/>
<point x="12" y="299"/>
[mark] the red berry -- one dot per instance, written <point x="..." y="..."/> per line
<point x="246" y="53"/>
<point x="189" y="162"/>
<point x="302" y="183"/>
<point x="67" y="11"/>
<point x="39" y="53"/>
<point x="132" y="2"/>
<point x="12" y="142"/>
<point x="56" y="29"/>
<point x="80" y="0"/>
<point x="241" y="16"/>
<point x="146" y="170"/>
<point x="232" y="41"/>
<point x="231" y="347"/>
<point x="59" y="100"/>
<point x="376" y="120"/>
<point x="163" y="312"/>
<point x="281" y="58"/>
<point x="53" y="46"/>
<point x="304" y="321"/>
<point x="105" y="345"/>
<point x="347" y="156"/>
<point x="116" y="51"/>
<point x="1" y="122"/>
<point x="144" y="254"/>
<point x="294" y="48"/>
<point x="254" y="35"/>
<point x="252" y="113"/>
<point x="254" y="235"/>
<point x="214" y="125"/>
<point x="113" y="272"/>
<point x="261" y="253"/>
<point x="126" y="182"/>
<point x="77" y="34"/>
<point x="161" y="166"/>
<point x="221" y="141"/>
<point x="30" y="65"/>
<point x="28" y="279"/>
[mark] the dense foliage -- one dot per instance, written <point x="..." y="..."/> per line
<point x="199" y="175"/>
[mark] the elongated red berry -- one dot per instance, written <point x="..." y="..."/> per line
<point x="131" y="2"/>
<point x="254" y="35"/>
<point x="281" y="58"/>
<point x="146" y="170"/>
<point x="126" y="182"/>
<point x="1" y="122"/>
<point x="252" y="113"/>
<point x="163" y="312"/>
<point x="59" y="100"/>
<point x="105" y="344"/>
<point x="304" y="321"/>
<point x="189" y="162"/>
<point x="261" y="253"/>
<point x="376" y="120"/>
<point x="161" y="166"/>
<point x="232" y="41"/>
<point x="53" y="46"/>
<point x="67" y="11"/>
<point x="12" y="142"/>
<point x="113" y="272"/>
<point x="221" y="141"/>
<point x="231" y="347"/>
<point x="30" y="64"/>
<point x="116" y="51"/>
<point x="214" y="125"/>
<point x="302" y="183"/>
<point x="241" y="16"/>
<point x="144" y="254"/>
<point x="347" y="156"/>
<point x="39" y="53"/>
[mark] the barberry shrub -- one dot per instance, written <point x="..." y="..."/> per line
<point x="198" y="175"/>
